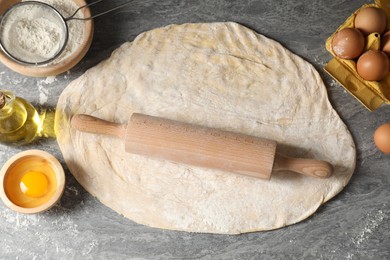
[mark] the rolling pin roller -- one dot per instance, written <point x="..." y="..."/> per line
<point x="201" y="146"/>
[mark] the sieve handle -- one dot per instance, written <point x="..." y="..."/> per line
<point x="93" y="16"/>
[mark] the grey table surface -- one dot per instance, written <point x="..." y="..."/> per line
<point x="353" y="225"/>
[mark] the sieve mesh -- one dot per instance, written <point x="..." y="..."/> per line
<point x="33" y="33"/>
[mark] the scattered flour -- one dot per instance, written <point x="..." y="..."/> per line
<point x="319" y="60"/>
<point x="334" y="83"/>
<point x="373" y="223"/>
<point x="36" y="231"/>
<point x="43" y="91"/>
<point x="43" y="95"/>
<point x="89" y="247"/>
<point x="20" y="221"/>
<point x="50" y="79"/>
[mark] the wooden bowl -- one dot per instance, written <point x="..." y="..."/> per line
<point x="18" y="160"/>
<point x="55" y="68"/>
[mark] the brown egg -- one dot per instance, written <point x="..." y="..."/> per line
<point x="373" y="65"/>
<point x="348" y="43"/>
<point x="382" y="138"/>
<point x="370" y="20"/>
<point x="385" y="43"/>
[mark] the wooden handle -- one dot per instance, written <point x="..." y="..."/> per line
<point x="90" y="124"/>
<point x="309" y="167"/>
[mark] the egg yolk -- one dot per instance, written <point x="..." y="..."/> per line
<point x="34" y="184"/>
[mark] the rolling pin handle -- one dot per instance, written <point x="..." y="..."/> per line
<point x="309" y="167"/>
<point x="91" y="124"/>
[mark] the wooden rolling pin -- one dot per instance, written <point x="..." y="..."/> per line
<point x="201" y="146"/>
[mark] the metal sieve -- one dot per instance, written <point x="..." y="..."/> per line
<point x="35" y="33"/>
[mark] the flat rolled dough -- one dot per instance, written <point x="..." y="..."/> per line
<point x="220" y="75"/>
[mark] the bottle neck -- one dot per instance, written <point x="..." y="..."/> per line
<point x="2" y="100"/>
<point x="7" y="99"/>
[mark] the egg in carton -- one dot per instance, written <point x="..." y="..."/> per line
<point x="372" y="94"/>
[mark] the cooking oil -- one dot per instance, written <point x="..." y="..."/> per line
<point x="31" y="182"/>
<point x="47" y="116"/>
<point x="19" y="121"/>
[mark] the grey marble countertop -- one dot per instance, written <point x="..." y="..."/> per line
<point x="353" y="225"/>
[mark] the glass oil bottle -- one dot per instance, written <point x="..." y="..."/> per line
<point x="19" y="120"/>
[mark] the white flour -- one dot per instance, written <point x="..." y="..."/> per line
<point x="43" y="38"/>
<point x="33" y="34"/>
<point x="373" y="223"/>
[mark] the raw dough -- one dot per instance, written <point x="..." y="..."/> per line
<point x="220" y="75"/>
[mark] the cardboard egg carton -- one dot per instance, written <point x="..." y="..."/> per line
<point x="372" y="94"/>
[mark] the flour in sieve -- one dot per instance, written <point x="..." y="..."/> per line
<point x="44" y="38"/>
<point x="38" y="35"/>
